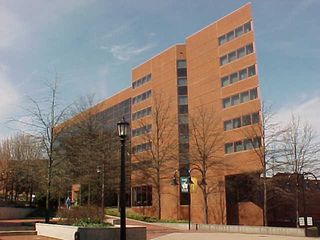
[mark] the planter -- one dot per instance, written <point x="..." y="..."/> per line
<point x="312" y="232"/>
<point x="65" y="232"/>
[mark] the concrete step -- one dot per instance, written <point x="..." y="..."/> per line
<point x="17" y="233"/>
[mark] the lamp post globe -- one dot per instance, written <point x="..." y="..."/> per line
<point x="123" y="127"/>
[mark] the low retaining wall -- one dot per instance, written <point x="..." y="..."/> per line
<point x="298" y="232"/>
<point x="68" y="232"/>
<point x="7" y="213"/>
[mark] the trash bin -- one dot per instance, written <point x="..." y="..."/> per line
<point x="76" y="236"/>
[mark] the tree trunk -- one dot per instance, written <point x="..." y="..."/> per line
<point x="265" y="210"/>
<point x="159" y="194"/>
<point x="48" y="193"/>
<point x="89" y="194"/>
<point x="206" y="210"/>
<point x="297" y="203"/>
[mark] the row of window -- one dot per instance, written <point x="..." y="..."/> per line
<point x="237" y="76"/>
<point x="241" y="121"/>
<point x="240" y="98"/>
<point x="141" y="113"/>
<point x="246" y="144"/>
<point x="235" y="33"/>
<point x="141" y="97"/>
<point x="141" y="130"/>
<point x="141" y="147"/>
<point x="142" y="196"/>
<point x="141" y="81"/>
<point x="234" y="55"/>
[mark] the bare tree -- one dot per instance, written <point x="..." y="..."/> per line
<point x="205" y="150"/>
<point x="160" y="145"/>
<point x="300" y="152"/>
<point x="22" y="154"/>
<point x="263" y="134"/>
<point x="43" y="118"/>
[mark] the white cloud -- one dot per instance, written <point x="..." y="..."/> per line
<point x="127" y="51"/>
<point x="308" y="111"/>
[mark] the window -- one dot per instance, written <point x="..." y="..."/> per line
<point x="222" y="39"/>
<point x="142" y="196"/>
<point x="225" y="81"/>
<point x="239" y="31"/>
<point x="256" y="142"/>
<point x="251" y="70"/>
<point x="141" y="130"/>
<point x="223" y="60"/>
<point x="230" y="36"/>
<point x="141" y="147"/>
<point x="182" y="81"/>
<point x="232" y="56"/>
<point x="235" y="33"/>
<point x="246" y="120"/>
<point x="183" y="119"/>
<point x="243" y="74"/>
<point x="236" y="123"/>
<point x="247" y="144"/>
<point x="141" y="97"/>
<point x="233" y="77"/>
<point x="241" y="52"/>
<point x="183" y="139"/>
<point x="228" y="148"/>
<point x="238" y="146"/>
<point x="253" y="94"/>
<point x="255" y="118"/>
<point x="235" y="100"/>
<point x="183" y="147"/>
<point x="244" y="97"/>
<point x="141" y="81"/>
<point x="182" y="100"/>
<point x="249" y="48"/>
<point x="228" y="125"/>
<point x="181" y="64"/>
<point x="247" y="27"/>
<point x="226" y="102"/>
<point x="182" y="72"/>
<point x="183" y="90"/>
<point x="182" y="109"/>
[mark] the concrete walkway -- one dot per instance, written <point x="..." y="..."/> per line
<point x="225" y="236"/>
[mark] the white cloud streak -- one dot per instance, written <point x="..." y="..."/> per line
<point x="309" y="111"/>
<point x="126" y="51"/>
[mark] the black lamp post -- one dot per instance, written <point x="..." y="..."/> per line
<point x="189" y="181"/>
<point x="122" y="127"/>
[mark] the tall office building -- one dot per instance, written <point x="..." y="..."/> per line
<point x="211" y="77"/>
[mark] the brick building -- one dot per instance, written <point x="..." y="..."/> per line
<point x="215" y="69"/>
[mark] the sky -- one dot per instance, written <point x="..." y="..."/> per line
<point x="93" y="44"/>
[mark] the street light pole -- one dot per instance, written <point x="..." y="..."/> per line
<point x="122" y="132"/>
<point x="123" y="193"/>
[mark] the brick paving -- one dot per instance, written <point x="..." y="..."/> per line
<point x="154" y="231"/>
<point x="30" y="237"/>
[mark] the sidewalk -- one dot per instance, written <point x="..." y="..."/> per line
<point x="226" y="236"/>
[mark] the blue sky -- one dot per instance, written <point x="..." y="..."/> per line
<point x="94" y="44"/>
